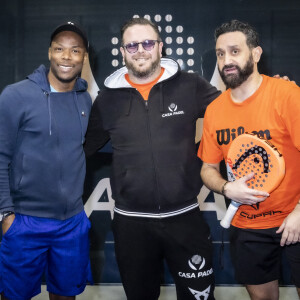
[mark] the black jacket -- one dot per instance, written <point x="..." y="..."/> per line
<point x="156" y="172"/>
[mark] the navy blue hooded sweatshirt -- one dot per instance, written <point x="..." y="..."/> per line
<point x="42" y="163"/>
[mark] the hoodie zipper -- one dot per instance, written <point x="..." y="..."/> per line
<point x="146" y="104"/>
<point x="49" y="111"/>
<point x="57" y="138"/>
<point x="59" y="159"/>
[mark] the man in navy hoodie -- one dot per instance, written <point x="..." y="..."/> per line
<point x="43" y="120"/>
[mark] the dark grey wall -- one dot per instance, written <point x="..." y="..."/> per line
<point x="26" y="26"/>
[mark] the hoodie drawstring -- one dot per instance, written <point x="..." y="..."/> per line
<point x="161" y="98"/>
<point x="129" y="103"/>
<point x="49" y="111"/>
<point x="75" y="99"/>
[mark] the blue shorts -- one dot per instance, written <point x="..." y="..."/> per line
<point x="33" y="246"/>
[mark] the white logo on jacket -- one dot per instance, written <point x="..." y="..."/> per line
<point x="173" y="111"/>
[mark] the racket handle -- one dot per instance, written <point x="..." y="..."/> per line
<point x="232" y="209"/>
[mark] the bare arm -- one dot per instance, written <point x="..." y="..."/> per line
<point x="212" y="178"/>
<point x="236" y="190"/>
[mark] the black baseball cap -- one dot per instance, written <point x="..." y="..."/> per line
<point x="71" y="26"/>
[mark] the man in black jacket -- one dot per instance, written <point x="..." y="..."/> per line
<point x="149" y="110"/>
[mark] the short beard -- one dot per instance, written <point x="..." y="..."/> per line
<point x="235" y="80"/>
<point x="143" y="74"/>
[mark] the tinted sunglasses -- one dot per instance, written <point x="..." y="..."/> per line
<point x="133" y="47"/>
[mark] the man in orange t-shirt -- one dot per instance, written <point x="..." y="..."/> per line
<point x="263" y="225"/>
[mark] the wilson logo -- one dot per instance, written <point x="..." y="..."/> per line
<point x="225" y="136"/>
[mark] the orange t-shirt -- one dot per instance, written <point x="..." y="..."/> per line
<point x="144" y="89"/>
<point x="274" y="112"/>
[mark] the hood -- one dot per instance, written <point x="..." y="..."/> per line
<point x="117" y="79"/>
<point x="39" y="76"/>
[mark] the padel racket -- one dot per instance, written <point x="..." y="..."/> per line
<point x="251" y="153"/>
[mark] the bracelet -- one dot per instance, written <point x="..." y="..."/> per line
<point x="223" y="188"/>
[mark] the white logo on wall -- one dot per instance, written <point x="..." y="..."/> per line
<point x="196" y="263"/>
<point x="201" y="295"/>
<point x="173" y="111"/>
<point x="93" y="203"/>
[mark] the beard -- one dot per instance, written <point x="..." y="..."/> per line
<point x="235" y="80"/>
<point x="138" y="73"/>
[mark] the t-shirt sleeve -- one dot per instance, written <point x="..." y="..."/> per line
<point x="209" y="151"/>
<point x="289" y="111"/>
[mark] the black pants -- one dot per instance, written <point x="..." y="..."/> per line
<point x="142" y="244"/>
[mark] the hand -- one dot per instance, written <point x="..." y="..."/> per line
<point x="290" y="228"/>
<point x="239" y="191"/>
<point x="284" y="78"/>
<point x="6" y="223"/>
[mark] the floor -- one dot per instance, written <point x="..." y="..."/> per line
<point x="109" y="292"/>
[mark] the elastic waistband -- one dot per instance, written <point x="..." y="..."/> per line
<point x="157" y="216"/>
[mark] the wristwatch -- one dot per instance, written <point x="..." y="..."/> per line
<point x="5" y="214"/>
